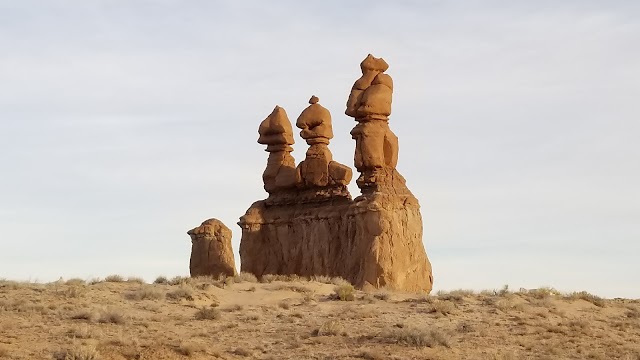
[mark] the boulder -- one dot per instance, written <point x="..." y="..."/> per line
<point x="211" y="252"/>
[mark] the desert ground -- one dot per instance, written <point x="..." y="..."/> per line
<point x="285" y="317"/>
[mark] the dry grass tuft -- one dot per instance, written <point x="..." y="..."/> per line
<point x="331" y="327"/>
<point x="78" y="352"/>
<point x="114" y="278"/>
<point x="455" y="295"/>
<point x="419" y="337"/>
<point x="189" y="348"/>
<point x="145" y="293"/>
<point x="382" y="295"/>
<point x="372" y="355"/>
<point x="442" y="307"/>
<point x="136" y="280"/>
<point x="183" y="292"/>
<point x="321" y="279"/>
<point x="161" y="280"/>
<point x="73" y="292"/>
<point x="344" y="292"/>
<point x="540" y="293"/>
<point x="242" y="352"/>
<point x="75" y="282"/>
<point x="82" y="332"/>
<point x="583" y="295"/>
<point x="112" y="316"/>
<point x="233" y="308"/>
<point x="88" y="315"/>
<point x="180" y="280"/>
<point x="245" y="277"/>
<point x="208" y="313"/>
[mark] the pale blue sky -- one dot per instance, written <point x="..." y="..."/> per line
<point x="125" y="123"/>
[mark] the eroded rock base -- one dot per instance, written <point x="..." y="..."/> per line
<point x="372" y="241"/>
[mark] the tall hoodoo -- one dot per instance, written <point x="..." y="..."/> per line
<point x="369" y="103"/>
<point x="318" y="168"/>
<point x="276" y="132"/>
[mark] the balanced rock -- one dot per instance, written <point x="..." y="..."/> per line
<point x="276" y="132"/>
<point x="318" y="168"/>
<point x="211" y="252"/>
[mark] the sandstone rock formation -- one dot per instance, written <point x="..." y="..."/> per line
<point x="276" y="132"/>
<point x="318" y="168"/>
<point x="315" y="228"/>
<point x="211" y="252"/>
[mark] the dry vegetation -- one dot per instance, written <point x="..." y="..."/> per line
<point x="288" y="317"/>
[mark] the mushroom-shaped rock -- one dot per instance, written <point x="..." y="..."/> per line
<point x="211" y="252"/>
<point x="315" y="122"/>
<point x="276" y="129"/>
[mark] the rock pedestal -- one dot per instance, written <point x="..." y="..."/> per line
<point x="211" y="252"/>
<point x="313" y="227"/>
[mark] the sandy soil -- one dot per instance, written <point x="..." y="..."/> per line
<point x="294" y="319"/>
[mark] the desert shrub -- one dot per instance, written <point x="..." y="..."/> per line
<point x="180" y="280"/>
<point x="232" y="308"/>
<point x="540" y="293"/>
<point x="145" y="293"/>
<point x="419" y="337"/>
<point x="268" y="278"/>
<point x="73" y="292"/>
<point x="322" y="279"/>
<point x="189" y="348"/>
<point x="88" y="315"/>
<point x="253" y="316"/>
<point x="22" y="306"/>
<point x="77" y="352"/>
<point x="242" y="352"/>
<point x="114" y="278"/>
<point x="338" y="281"/>
<point x="583" y="295"/>
<point x="372" y="355"/>
<point x="95" y="281"/>
<point x="443" y="307"/>
<point x="208" y="313"/>
<point x="11" y="285"/>
<point x="289" y="287"/>
<point x="161" y="280"/>
<point x="135" y="279"/>
<point x="82" y="332"/>
<point x="245" y="277"/>
<point x="382" y="295"/>
<point x="112" y="316"/>
<point x="331" y="327"/>
<point x="183" y="292"/>
<point x="455" y="295"/>
<point x="76" y="282"/>
<point x="284" y="304"/>
<point x="423" y="299"/>
<point x="345" y="292"/>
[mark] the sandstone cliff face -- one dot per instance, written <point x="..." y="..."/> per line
<point x="211" y="252"/>
<point x="313" y="227"/>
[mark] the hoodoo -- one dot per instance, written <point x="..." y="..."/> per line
<point x="309" y="224"/>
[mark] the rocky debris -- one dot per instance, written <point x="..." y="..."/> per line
<point x="315" y="228"/>
<point x="211" y="252"/>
